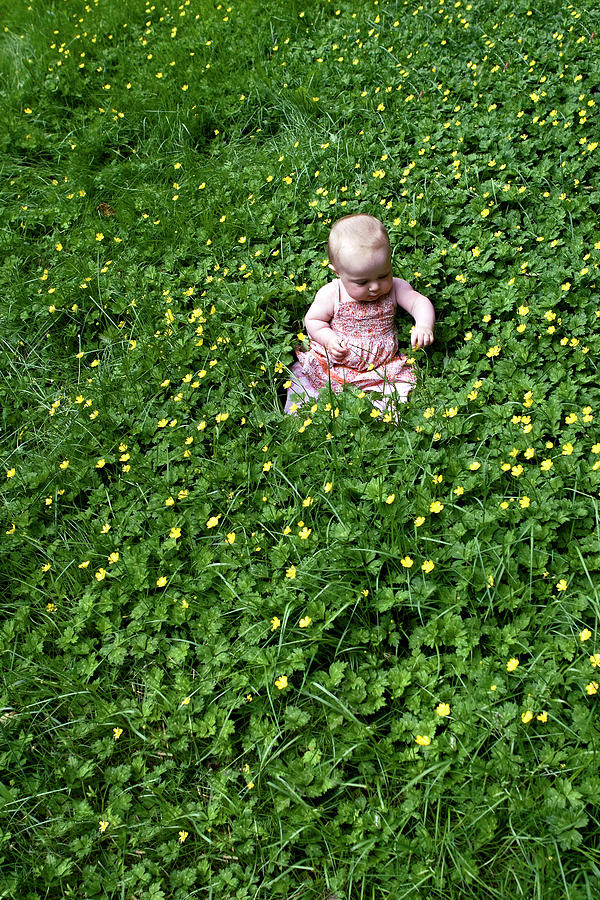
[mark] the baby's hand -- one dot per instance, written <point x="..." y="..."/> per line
<point x="336" y="349"/>
<point x="421" y="337"/>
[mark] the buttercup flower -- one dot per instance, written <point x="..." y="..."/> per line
<point x="512" y="664"/>
<point x="281" y="682"/>
<point x="585" y="634"/>
<point x="443" y="709"/>
<point x="423" y="740"/>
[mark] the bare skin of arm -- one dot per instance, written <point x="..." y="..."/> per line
<point x="318" y="325"/>
<point x="422" y="311"/>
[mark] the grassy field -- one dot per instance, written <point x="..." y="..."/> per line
<point x="248" y="655"/>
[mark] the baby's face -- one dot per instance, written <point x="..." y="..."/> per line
<point x="366" y="276"/>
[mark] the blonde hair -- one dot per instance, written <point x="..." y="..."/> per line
<point x="361" y="231"/>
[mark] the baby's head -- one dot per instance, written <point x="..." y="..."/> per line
<point x="359" y="252"/>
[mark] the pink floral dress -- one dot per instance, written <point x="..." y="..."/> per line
<point x="373" y="363"/>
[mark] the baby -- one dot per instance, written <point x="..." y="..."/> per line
<point x="351" y="323"/>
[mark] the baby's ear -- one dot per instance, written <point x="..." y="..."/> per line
<point x="333" y="269"/>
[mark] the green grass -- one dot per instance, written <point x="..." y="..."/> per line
<point x="166" y="201"/>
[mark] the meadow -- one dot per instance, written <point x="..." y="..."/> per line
<point x="325" y="656"/>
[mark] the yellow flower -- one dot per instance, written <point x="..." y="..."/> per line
<point x="561" y="585"/>
<point x="161" y="581"/>
<point x="113" y="557"/>
<point x="543" y="717"/>
<point x="493" y="351"/>
<point x="428" y="566"/>
<point x="567" y="449"/>
<point x="443" y="709"/>
<point x="526" y="717"/>
<point x="595" y="660"/>
<point x="117" y="732"/>
<point x="485" y="213"/>
<point x="305" y="622"/>
<point x="546" y="465"/>
<point x="450" y="413"/>
<point x="429" y="412"/>
<point x="423" y="740"/>
<point x="459" y="490"/>
<point x="512" y="664"/>
<point x="84" y="564"/>
<point x="105" y="528"/>
<point x="186" y="701"/>
<point x="436" y="507"/>
<point x="304" y="533"/>
<point x="183" y="835"/>
<point x="230" y="537"/>
<point x="328" y="487"/>
<point x="524" y="502"/>
<point x="275" y="623"/>
<point x="474" y="466"/>
<point x="103" y="825"/>
<point x="406" y="562"/>
<point x="174" y="533"/>
<point x="64" y="464"/>
<point x="281" y="682"/>
<point x="592" y="688"/>
<point x="267" y="466"/>
<point x="213" y="521"/>
<point x="419" y="521"/>
<point x="291" y="572"/>
<point x="585" y="634"/>
<point x="100" y="575"/>
<point x="101" y="463"/>
<point x="390" y="498"/>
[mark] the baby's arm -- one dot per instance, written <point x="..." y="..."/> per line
<point x="422" y="311"/>
<point x="318" y="324"/>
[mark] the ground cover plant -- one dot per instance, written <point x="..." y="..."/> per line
<point x="326" y="656"/>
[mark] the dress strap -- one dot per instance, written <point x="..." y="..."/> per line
<point x="336" y="302"/>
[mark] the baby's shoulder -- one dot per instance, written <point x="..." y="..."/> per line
<point x="400" y="285"/>
<point x="329" y="291"/>
<point x="399" y="290"/>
